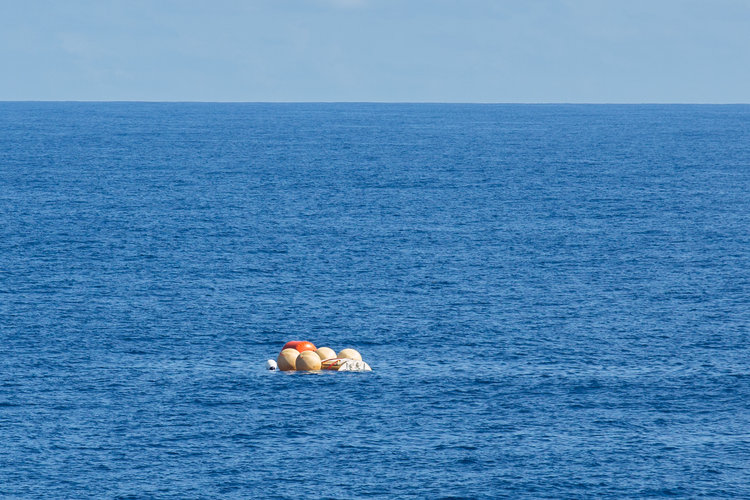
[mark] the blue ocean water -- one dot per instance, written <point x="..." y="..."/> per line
<point x="555" y="300"/>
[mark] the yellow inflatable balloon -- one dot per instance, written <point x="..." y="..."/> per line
<point x="326" y="353"/>
<point x="287" y="360"/>
<point x="308" y="361"/>
<point x="350" y="354"/>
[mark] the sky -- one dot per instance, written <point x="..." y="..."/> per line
<point x="602" y="51"/>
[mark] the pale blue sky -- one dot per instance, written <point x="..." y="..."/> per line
<point x="376" y="50"/>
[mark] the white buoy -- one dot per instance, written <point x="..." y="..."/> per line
<point x="271" y="365"/>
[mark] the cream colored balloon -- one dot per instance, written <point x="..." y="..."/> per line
<point x="350" y="354"/>
<point x="308" y="361"/>
<point x="326" y="353"/>
<point x="287" y="359"/>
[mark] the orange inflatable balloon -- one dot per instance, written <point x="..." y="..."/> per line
<point x="306" y="346"/>
<point x="300" y="345"/>
<point x="292" y="344"/>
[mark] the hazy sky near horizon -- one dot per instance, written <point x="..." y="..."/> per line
<point x="377" y="50"/>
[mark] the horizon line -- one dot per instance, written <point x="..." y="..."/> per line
<point x="522" y="103"/>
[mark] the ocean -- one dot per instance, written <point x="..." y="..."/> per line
<point x="554" y="299"/>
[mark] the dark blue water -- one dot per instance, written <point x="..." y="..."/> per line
<point x="555" y="300"/>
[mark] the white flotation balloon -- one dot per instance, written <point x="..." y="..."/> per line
<point x="352" y="365"/>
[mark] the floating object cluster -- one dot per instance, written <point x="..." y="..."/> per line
<point x="300" y="355"/>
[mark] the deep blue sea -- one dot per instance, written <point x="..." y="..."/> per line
<point x="555" y="300"/>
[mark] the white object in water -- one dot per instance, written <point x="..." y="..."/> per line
<point x="353" y="365"/>
<point x="271" y="364"/>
